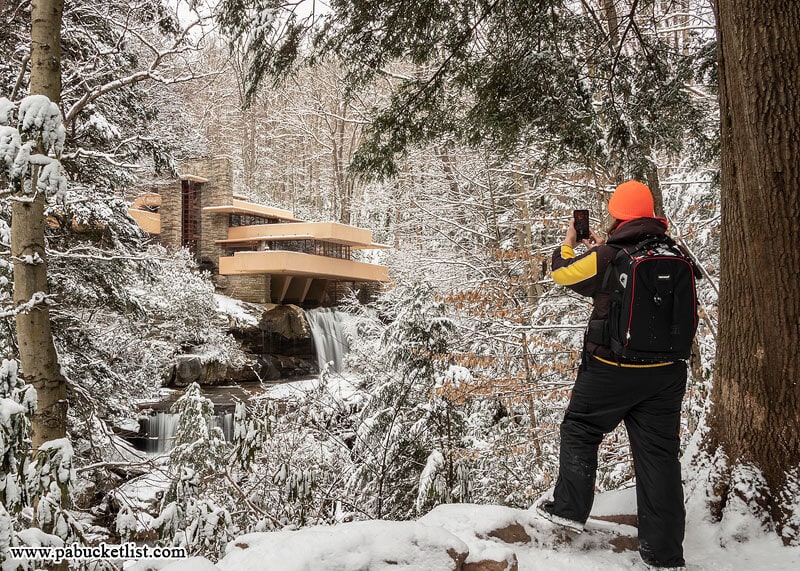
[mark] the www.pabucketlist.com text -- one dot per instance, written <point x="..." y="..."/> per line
<point x="77" y="552"/>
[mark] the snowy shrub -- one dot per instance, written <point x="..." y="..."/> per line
<point x="17" y="403"/>
<point x="51" y="478"/>
<point x="248" y="436"/>
<point x="190" y="514"/>
<point x="14" y="451"/>
<point x="198" y="446"/>
<point x="403" y="420"/>
<point x="9" y="538"/>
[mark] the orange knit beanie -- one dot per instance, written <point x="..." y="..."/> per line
<point x="630" y="200"/>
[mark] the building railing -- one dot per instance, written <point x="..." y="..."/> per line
<point x="314" y="247"/>
<point x="250" y="220"/>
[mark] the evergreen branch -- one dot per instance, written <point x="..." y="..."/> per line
<point x="622" y="39"/>
<point x="466" y="37"/>
<point x="144" y="75"/>
<point x="108" y="157"/>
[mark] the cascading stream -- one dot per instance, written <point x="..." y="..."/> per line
<point x="159" y="430"/>
<point x="330" y="341"/>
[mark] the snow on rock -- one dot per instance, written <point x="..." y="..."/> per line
<point x="500" y="537"/>
<point x="488" y="531"/>
<point x="483" y="521"/>
<point x="188" y="564"/>
<point x="617" y="506"/>
<point x="239" y="312"/>
<point x="291" y="389"/>
<point x="615" y="502"/>
<point x="126" y="424"/>
<point x="375" y="545"/>
<point x="142" y="494"/>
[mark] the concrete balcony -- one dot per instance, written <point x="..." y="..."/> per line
<point x="296" y="277"/>
<point x="334" y="232"/>
<point x="286" y="263"/>
<point x="243" y="207"/>
<point x="150" y="222"/>
<point x="144" y="210"/>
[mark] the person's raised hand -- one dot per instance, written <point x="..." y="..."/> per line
<point x="571" y="239"/>
<point x="593" y="241"/>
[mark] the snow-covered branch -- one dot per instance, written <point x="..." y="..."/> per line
<point x="38" y="298"/>
<point x="144" y="75"/>
<point x="108" y="157"/>
<point x="100" y="256"/>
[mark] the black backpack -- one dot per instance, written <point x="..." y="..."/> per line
<point x="652" y="314"/>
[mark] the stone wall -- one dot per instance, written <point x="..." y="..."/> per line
<point x="218" y="191"/>
<point x="253" y="288"/>
<point x="170" y="212"/>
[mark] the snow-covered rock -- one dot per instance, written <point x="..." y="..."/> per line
<point x="374" y="545"/>
<point x="490" y="533"/>
<point x="188" y="564"/>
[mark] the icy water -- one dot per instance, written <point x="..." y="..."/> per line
<point x="159" y="430"/>
<point x="330" y="341"/>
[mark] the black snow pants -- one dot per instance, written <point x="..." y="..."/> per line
<point x="648" y="400"/>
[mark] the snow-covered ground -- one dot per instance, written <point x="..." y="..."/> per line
<point x="338" y="385"/>
<point x="240" y="312"/>
<point x="487" y="533"/>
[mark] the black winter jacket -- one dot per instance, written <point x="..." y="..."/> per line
<point x="584" y="274"/>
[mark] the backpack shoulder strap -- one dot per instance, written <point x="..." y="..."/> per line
<point x="607" y="275"/>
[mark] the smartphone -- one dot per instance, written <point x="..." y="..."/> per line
<point x="581" y="224"/>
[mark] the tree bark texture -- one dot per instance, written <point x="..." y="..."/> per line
<point x="46" y="48"/>
<point x="37" y="352"/>
<point x="756" y="397"/>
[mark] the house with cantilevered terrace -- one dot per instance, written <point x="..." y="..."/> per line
<point x="257" y="253"/>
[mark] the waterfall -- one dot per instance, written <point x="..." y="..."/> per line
<point x="159" y="430"/>
<point x="224" y="422"/>
<point x="329" y="339"/>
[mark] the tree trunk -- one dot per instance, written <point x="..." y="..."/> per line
<point x="756" y="395"/>
<point x="37" y="353"/>
<point x="654" y="184"/>
<point x="610" y="14"/>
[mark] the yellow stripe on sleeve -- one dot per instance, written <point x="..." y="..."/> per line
<point x="567" y="252"/>
<point x="576" y="272"/>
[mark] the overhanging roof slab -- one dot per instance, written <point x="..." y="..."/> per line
<point x="323" y="231"/>
<point x="279" y="262"/>
<point x="148" y="221"/>
<point x="243" y="207"/>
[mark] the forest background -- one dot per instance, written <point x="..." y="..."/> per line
<point x="463" y="134"/>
